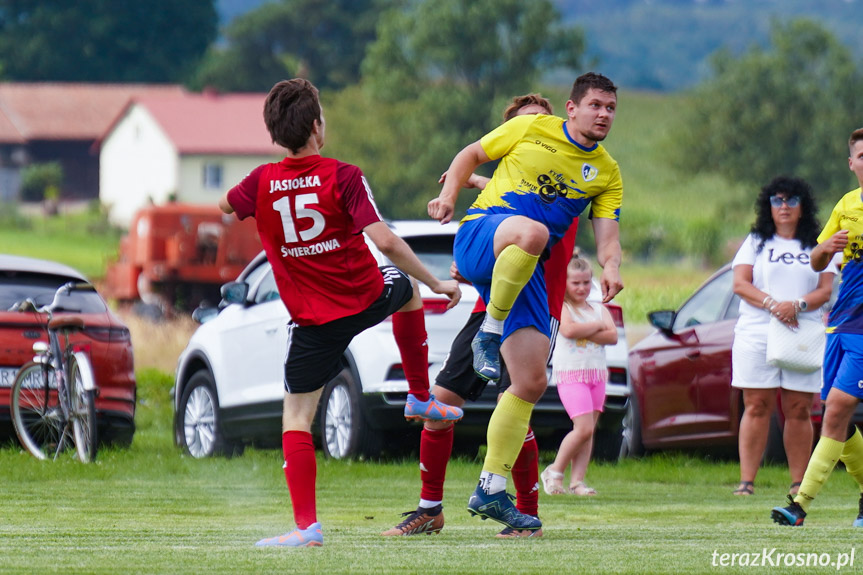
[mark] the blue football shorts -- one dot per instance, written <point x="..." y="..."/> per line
<point x="843" y="364"/>
<point x="474" y="256"/>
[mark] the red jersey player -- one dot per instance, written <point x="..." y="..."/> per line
<point x="311" y="213"/>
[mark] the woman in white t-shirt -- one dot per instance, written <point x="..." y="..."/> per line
<point x="772" y="276"/>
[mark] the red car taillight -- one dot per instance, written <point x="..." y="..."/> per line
<point x="616" y="313"/>
<point x="435" y="306"/>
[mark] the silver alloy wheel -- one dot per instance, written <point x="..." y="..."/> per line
<point x="338" y="422"/>
<point x="199" y="423"/>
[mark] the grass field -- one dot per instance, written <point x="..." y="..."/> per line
<point x="149" y="509"/>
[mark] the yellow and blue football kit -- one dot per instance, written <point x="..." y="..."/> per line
<point x="544" y="175"/>
<point x="843" y="356"/>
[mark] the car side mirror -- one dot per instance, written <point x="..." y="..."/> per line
<point x="662" y="320"/>
<point x="235" y="292"/>
<point x="204" y="314"/>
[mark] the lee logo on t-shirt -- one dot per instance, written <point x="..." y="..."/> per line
<point x="787" y="258"/>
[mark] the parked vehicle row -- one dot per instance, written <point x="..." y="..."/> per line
<point x="229" y="381"/>
<point x="105" y="338"/>
<point x="670" y="391"/>
<point x="681" y="378"/>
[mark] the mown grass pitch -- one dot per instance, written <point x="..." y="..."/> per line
<point x="149" y="509"/>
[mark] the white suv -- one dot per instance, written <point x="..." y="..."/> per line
<point x="229" y="382"/>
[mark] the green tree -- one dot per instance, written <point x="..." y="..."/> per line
<point x="104" y="40"/>
<point x="785" y="110"/>
<point x="440" y="73"/>
<point x="322" y="41"/>
<point x="41" y="182"/>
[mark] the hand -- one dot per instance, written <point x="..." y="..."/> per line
<point x="610" y="283"/>
<point x="786" y="313"/>
<point x="454" y="274"/>
<point x="837" y="242"/>
<point x="450" y="289"/>
<point x="441" y="210"/>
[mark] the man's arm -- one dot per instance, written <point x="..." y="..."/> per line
<point x="823" y="252"/>
<point x="606" y="232"/>
<point x="400" y="253"/>
<point x="225" y="205"/>
<point x="442" y="207"/>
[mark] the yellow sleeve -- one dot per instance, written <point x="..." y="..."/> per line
<point x="832" y="225"/>
<point x="607" y="204"/>
<point x="500" y="141"/>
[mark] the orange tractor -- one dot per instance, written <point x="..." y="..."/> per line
<point x="177" y="256"/>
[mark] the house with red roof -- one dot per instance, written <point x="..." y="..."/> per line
<point x="59" y="122"/>
<point x="189" y="148"/>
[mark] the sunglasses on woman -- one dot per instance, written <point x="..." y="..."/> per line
<point x="777" y="201"/>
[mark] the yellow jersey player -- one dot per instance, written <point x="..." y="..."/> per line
<point x="550" y="170"/>
<point x="842" y="389"/>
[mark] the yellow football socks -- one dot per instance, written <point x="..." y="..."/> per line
<point x="821" y="465"/>
<point x="506" y="430"/>
<point x="852" y="457"/>
<point x="512" y="270"/>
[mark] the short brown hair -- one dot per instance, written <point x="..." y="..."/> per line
<point x="520" y="102"/>
<point x="590" y="80"/>
<point x="290" y="111"/>
<point x="856" y="136"/>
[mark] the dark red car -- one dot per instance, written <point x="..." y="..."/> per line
<point x="106" y="337"/>
<point x="681" y="378"/>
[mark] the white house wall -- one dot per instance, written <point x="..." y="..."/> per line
<point x="191" y="187"/>
<point x="138" y="165"/>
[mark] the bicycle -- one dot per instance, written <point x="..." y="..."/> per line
<point x="53" y="396"/>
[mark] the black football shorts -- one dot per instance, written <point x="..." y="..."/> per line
<point x="315" y="351"/>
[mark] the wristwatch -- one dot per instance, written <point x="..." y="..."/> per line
<point x="801" y="303"/>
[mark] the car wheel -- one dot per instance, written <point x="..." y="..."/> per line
<point x="198" y="422"/>
<point x="607" y="444"/>
<point x="344" y="433"/>
<point x="631" y="445"/>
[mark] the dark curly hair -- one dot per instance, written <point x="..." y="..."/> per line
<point x="808" y="227"/>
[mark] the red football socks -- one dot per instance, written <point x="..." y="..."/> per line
<point x="409" y="329"/>
<point x="301" y="470"/>
<point x="525" y="476"/>
<point x="435" y="451"/>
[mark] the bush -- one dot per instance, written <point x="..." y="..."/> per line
<point x="41" y="182"/>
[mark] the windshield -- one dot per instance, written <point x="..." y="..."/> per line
<point x="16" y="287"/>
<point x="435" y="252"/>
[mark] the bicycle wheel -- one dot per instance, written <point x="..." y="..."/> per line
<point x="36" y="412"/>
<point x="82" y="412"/>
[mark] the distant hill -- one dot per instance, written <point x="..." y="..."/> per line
<point x="665" y="44"/>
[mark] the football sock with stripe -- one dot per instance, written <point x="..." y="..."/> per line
<point x="512" y="270"/>
<point x="821" y="465"/>
<point x="852" y="457"/>
<point x="435" y="451"/>
<point x="301" y="472"/>
<point x="525" y="476"/>
<point x="506" y="432"/>
<point x="409" y="331"/>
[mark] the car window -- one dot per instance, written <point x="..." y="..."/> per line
<point x="733" y="308"/>
<point x="435" y="252"/>
<point x="267" y="289"/>
<point x="16" y="287"/>
<point x="257" y="273"/>
<point x="707" y="305"/>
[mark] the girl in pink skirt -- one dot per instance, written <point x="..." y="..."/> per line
<point x="579" y="371"/>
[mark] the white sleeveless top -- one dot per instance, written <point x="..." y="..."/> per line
<point x="579" y="354"/>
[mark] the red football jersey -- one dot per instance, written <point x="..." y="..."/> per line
<point x="310" y="214"/>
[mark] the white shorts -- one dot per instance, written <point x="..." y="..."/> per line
<point x="749" y="368"/>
